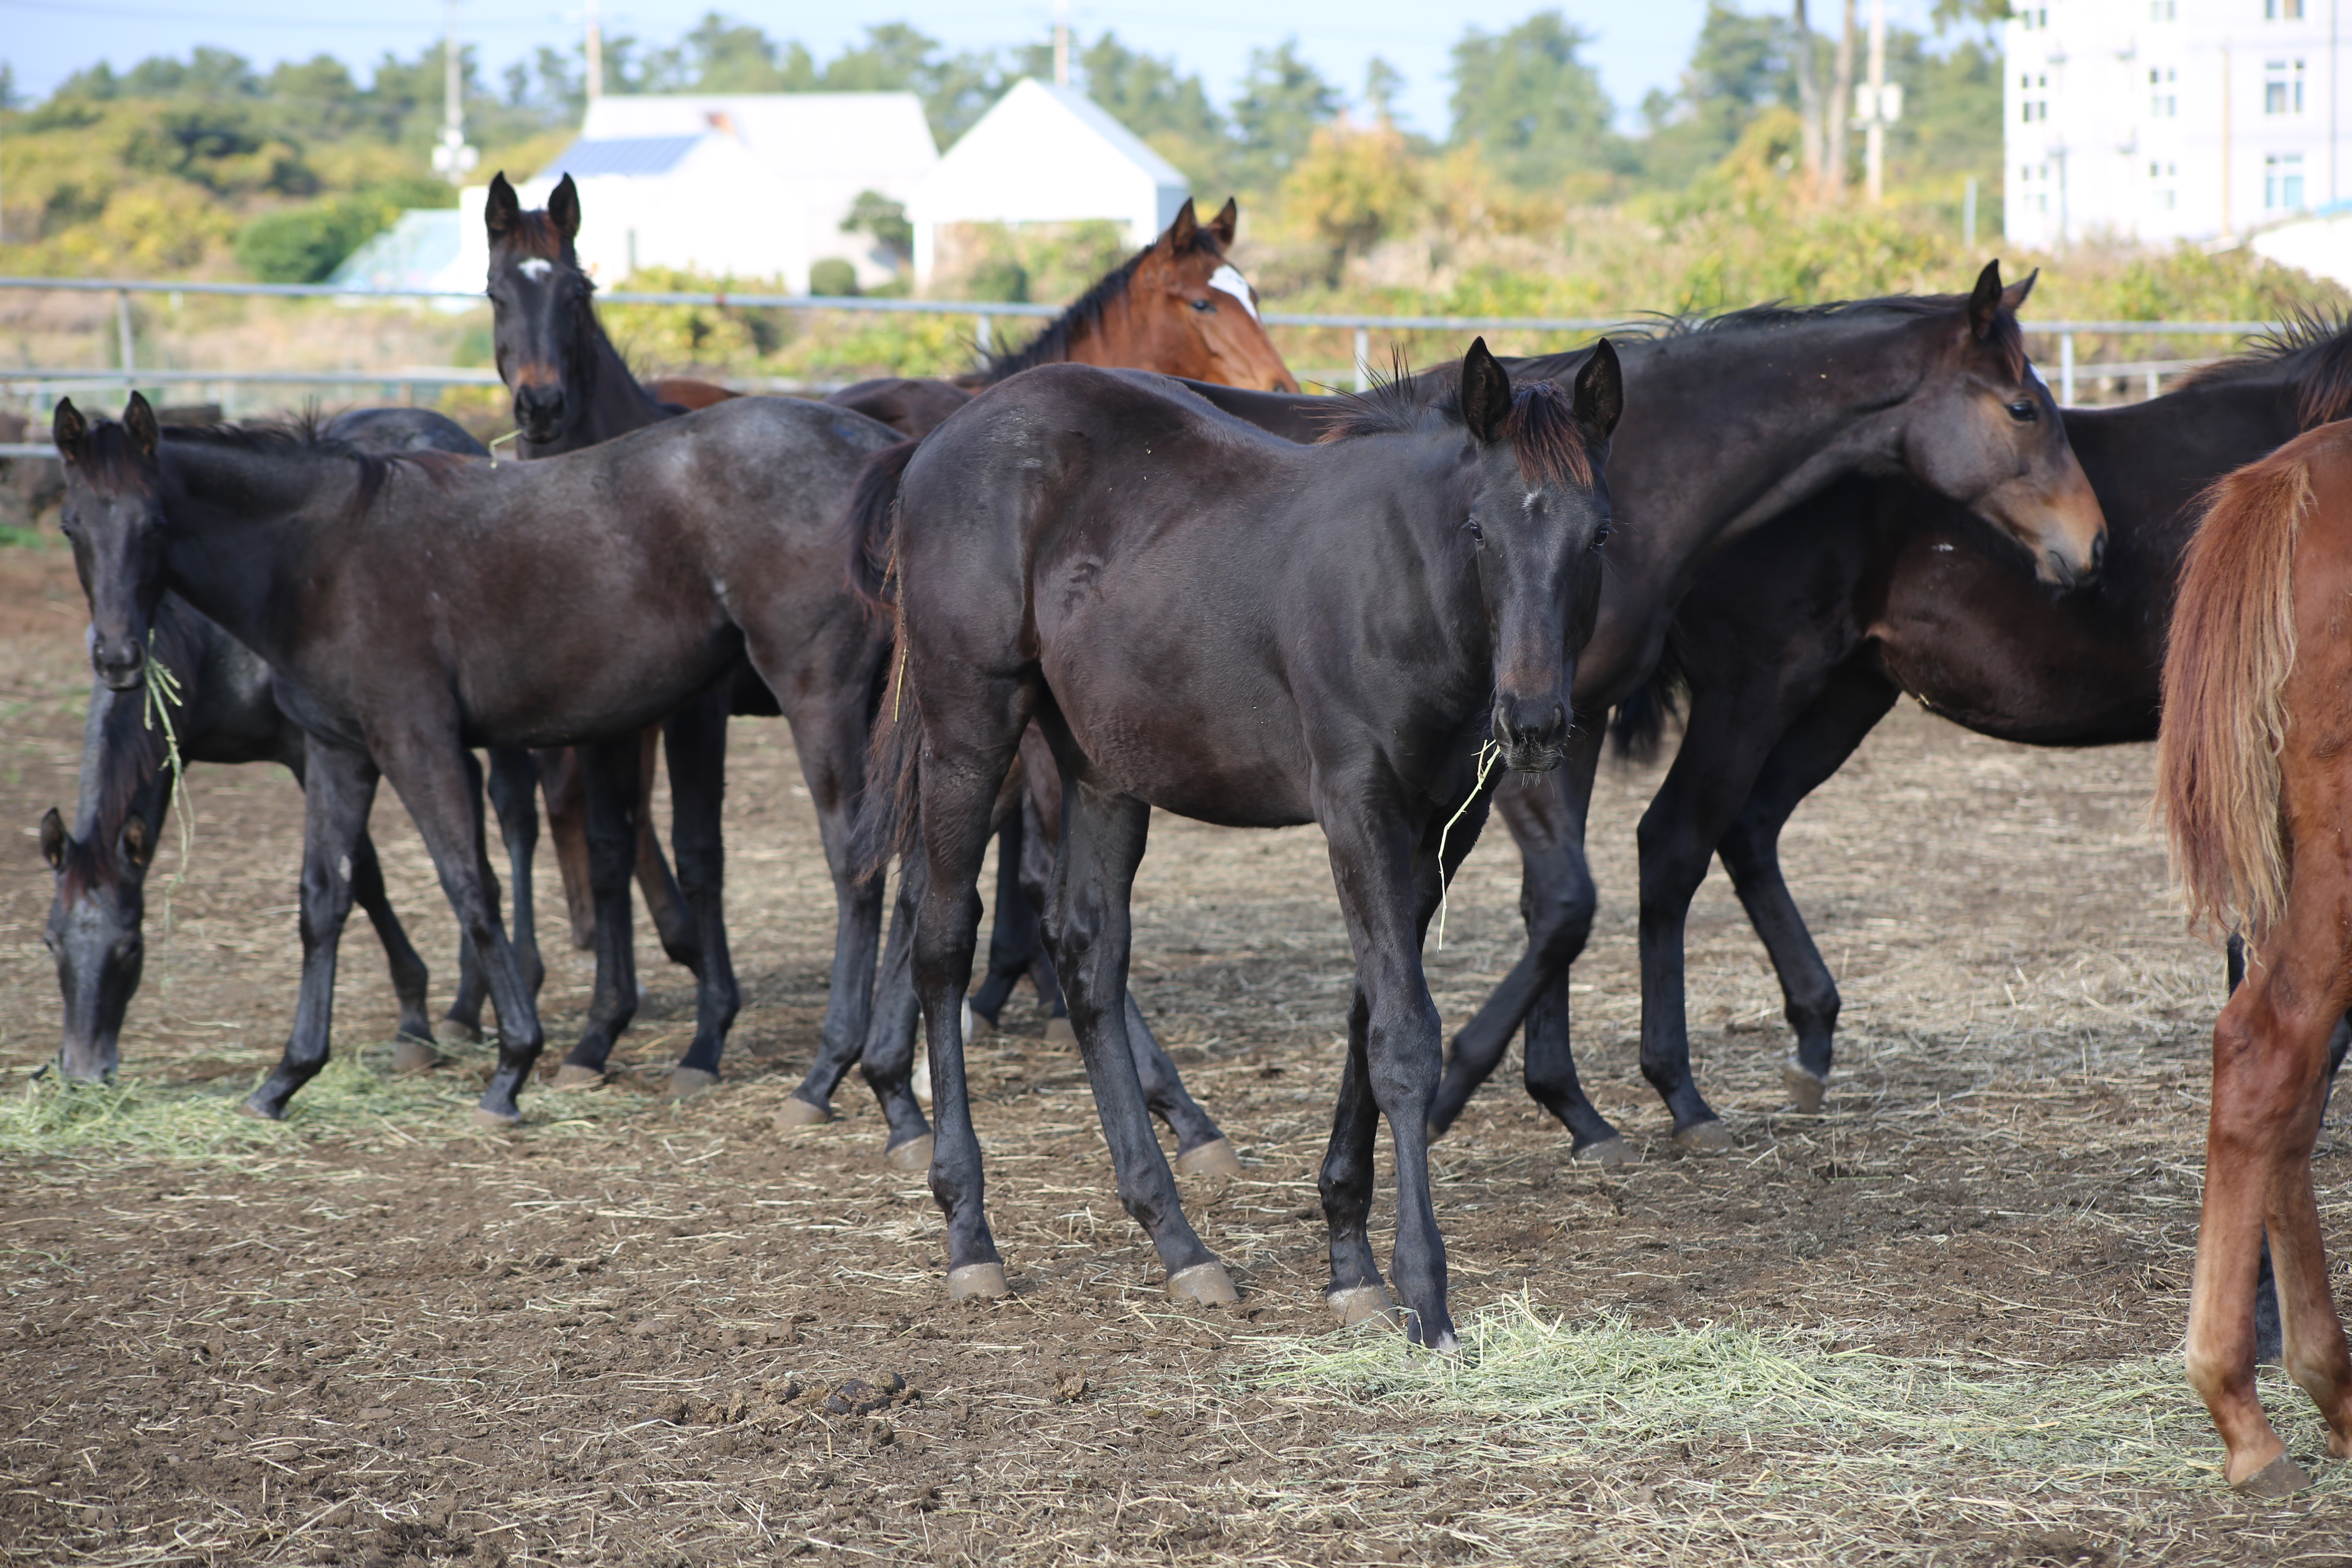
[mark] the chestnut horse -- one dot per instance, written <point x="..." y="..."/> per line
<point x="2257" y="801"/>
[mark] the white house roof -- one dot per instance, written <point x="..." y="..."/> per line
<point x="879" y="138"/>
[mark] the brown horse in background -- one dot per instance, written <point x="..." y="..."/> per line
<point x="2257" y="796"/>
<point x="1177" y="306"/>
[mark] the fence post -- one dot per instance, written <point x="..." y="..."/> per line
<point x="1364" y="359"/>
<point x="122" y="330"/>
<point x="2066" y="369"/>
<point x="984" y="337"/>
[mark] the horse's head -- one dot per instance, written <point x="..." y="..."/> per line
<point x="93" y="937"/>
<point x="114" y="516"/>
<point x="1536" y="523"/>
<point x="1988" y="435"/>
<point x="543" y="318"/>
<point x="1196" y="312"/>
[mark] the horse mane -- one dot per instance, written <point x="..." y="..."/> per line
<point x="304" y="435"/>
<point x="2319" y="340"/>
<point x="2231" y="648"/>
<point x="1541" y="426"/>
<point x="1051" y="346"/>
<point x="2008" y="337"/>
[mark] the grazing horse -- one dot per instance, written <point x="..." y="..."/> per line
<point x="224" y="712"/>
<point x="1352" y="633"/>
<point x="568" y="601"/>
<point x="2257" y="803"/>
<point x="1801" y="638"/>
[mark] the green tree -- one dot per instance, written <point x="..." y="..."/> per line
<point x="1536" y="108"/>
<point x="1282" y="100"/>
<point x="1741" y="66"/>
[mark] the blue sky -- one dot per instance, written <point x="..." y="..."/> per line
<point x="1635" y="50"/>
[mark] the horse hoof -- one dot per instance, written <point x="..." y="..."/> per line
<point x="1204" y="1285"/>
<point x="571" y="1075"/>
<point x="411" y="1055"/>
<point x="460" y="1030"/>
<point x="799" y="1112"/>
<point x="1061" y="1032"/>
<point x="1214" y="1158"/>
<point x="497" y="1121"/>
<point x="1606" y="1151"/>
<point x="2281" y="1477"/>
<point x="914" y="1155"/>
<point x="684" y="1083"/>
<point x="1707" y="1136"/>
<point x="1805" y="1091"/>
<point x="977" y="1282"/>
<point x="1361" y="1304"/>
<point x="258" y="1112"/>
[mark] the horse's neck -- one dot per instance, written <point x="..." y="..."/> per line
<point x="615" y="403"/>
<point x="123" y="754"/>
<point x="236" y="517"/>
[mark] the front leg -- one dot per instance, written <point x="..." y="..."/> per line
<point x="610" y="771"/>
<point x="337" y="788"/>
<point x="696" y="736"/>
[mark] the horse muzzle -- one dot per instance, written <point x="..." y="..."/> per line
<point x="1530" y="732"/>
<point x="540" y="411"/>
<point x="119" y="662"/>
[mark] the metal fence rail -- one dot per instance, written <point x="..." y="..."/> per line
<point x="2148" y="372"/>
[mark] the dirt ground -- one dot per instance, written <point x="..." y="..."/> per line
<point x="637" y="1332"/>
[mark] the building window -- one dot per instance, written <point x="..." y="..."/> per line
<point x="2283" y="181"/>
<point x="2163" y="102"/>
<point x="2283" y="87"/>
<point x="2283" y="10"/>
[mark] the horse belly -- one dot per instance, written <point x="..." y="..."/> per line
<point x="1238" y="761"/>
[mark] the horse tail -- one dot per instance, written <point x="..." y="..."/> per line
<point x="1638" y="725"/>
<point x="888" y="826"/>
<point x="869" y="526"/>
<point x="2226" y="664"/>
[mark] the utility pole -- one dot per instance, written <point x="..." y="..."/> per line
<point x="1842" y="96"/>
<point x="452" y="159"/>
<point x="595" y="78"/>
<point x="1061" y="43"/>
<point x="1874" y="135"/>
<point x="1808" y="102"/>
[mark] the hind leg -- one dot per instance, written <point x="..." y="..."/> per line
<point x="888" y="1059"/>
<point x="514" y="795"/>
<point x="610" y="773"/>
<point x="338" y="787"/>
<point x="566" y="791"/>
<point x="465" y="1016"/>
<point x="411" y="982"/>
<point x="697" y="739"/>
<point x="831" y="729"/>
<point x="665" y="905"/>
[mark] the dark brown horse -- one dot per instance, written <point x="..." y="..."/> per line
<point x="2257" y="802"/>
<point x="1338" y="634"/>
<point x="569" y="601"/>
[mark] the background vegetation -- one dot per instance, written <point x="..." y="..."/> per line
<point x="1536" y="199"/>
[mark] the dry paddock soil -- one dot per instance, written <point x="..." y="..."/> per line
<point x="1939" y="1324"/>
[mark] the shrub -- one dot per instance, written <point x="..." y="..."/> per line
<point x="834" y="276"/>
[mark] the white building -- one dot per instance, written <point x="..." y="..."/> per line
<point x="2165" y="120"/>
<point x="747" y="186"/>
<point x="1045" y="154"/>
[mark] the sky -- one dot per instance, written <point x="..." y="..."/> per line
<point x="1635" y="50"/>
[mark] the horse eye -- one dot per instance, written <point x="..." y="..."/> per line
<point x="1601" y="535"/>
<point x="1476" y="532"/>
<point x="2023" y="411"/>
<point x="1204" y="306"/>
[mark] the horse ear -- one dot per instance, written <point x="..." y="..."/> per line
<point x="1984" y="304"/>
<point x="70" y="430"/>
<point x="1183" y="231"/>
<point x="1485" y="394"/>
<point x="1221" y="226"/>
<point x="564" y="209"/>
<point x="139" y="418"/>
<point x="137" y="842"/>
<point x="502" y="210"/>
<point x="55" y="840"/>
<point x="1601" y="390"/>
<point x="2013" y="297"/>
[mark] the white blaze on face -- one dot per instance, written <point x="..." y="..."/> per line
<point x="537" y="269"/>
<point x="1229" y="279"/>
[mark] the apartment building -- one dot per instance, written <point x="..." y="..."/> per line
<point x="2164" y="120"/>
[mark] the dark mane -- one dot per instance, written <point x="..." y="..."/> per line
<point x="2320" y="339"/>
<point x="2008" y="336"/>
<point x="304" y="435"/>
<point x="1541" y="426"/>
<point x="1051" y="346"/>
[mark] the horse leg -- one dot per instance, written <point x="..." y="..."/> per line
<point x="1386" y="883"/>
<point x="1556" y="901"/>
<point x="610" y="775"/>
<point x="1813" y="747"/>
<point x="830" y="733"/>
<point x="566" y="789"/>
<point x="696" y="736"/>
<point x="410" y="981"/>
<point x="664" y="903"/>
<point x="1014" y="936"/>
<point x="1200" y="1149"/>
<point x="514" y="795"/>
<point x="1102" y="836"/>
<point x="337" y="788"/>
<point x="465" y="1015"/>
<point x="1041" y="813"/>
<point x="888" y="1061"/>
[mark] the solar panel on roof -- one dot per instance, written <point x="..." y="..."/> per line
<point x="622" y="155"/>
